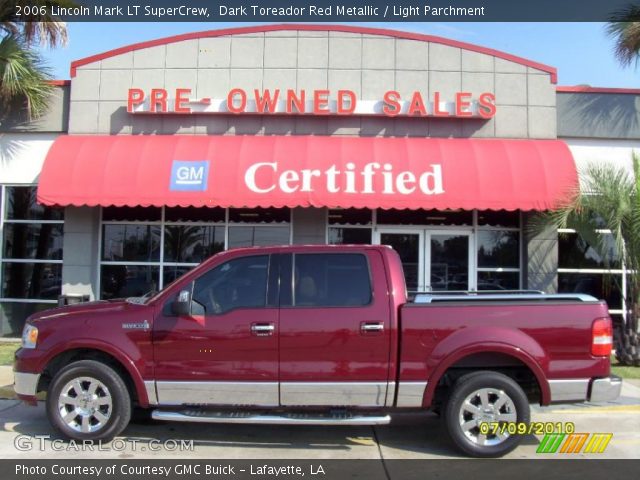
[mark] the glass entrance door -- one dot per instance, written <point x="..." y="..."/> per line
<point x="433" y="260"/>
<point x="410" y="246"/>
<point x="449" y="261"/>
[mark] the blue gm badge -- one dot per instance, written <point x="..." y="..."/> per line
<point x="189" y="176"/>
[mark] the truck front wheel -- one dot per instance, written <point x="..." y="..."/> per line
<point x="88" y="400"/>
<point x="482" y="414"/>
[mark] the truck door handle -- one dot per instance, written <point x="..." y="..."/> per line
<point x="262" y="329"/>
<point x="372" y="327"/>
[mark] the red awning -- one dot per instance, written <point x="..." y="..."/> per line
<point x="307" y="171"/>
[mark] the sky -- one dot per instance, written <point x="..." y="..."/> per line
<point x="582" y="52"/>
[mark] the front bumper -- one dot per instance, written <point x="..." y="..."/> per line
<point x="26" y="384"/>
<point x="605" y="389"/>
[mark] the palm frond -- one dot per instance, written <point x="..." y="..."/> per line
<point x="624" y="28"/>
<point x="51" y="33"/>
<point x="607" y="200"/>
<point x="43" y="29"/>
<point x="23" y="77"/>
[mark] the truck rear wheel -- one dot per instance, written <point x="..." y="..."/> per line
<point x="88" y="400"/>
<point x="485" y="398"/>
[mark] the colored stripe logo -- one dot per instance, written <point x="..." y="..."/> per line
<point x="550" y="443"/>
<point x="574" y="443"/>
<point x="598" y="442"/>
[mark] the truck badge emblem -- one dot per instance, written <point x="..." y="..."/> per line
<point x="136" y="326"/>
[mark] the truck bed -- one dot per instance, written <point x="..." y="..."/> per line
<point x="550" y="334"/>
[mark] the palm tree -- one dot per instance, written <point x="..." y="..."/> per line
<point x="23" y="76"/>
<point x="609" y="199"/>
<point x="41" y="28"/>
<point x="624" y="27"/>
<point x="23" y="79"/>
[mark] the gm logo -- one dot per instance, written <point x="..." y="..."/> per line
<point x="189" y="176"/>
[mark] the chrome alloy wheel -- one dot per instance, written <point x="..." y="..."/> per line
<point x="85" y="404"/>
<point x="486" y="405"/>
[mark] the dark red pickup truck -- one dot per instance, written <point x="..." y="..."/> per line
<point x="315" y="335"/>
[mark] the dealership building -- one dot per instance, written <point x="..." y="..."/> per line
<point x="155" y="156"/>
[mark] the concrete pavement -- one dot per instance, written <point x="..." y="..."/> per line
<point x="6" y="375"/>
<point x="408" y="437"/>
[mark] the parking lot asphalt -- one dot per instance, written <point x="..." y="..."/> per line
<point x="25" y="431"/>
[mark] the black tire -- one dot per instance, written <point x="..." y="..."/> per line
<point x="110" y="388"/>
<point x="497" y="385"/>
<point x="626" y="346"/>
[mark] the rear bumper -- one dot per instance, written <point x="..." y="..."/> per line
<point x="570" y="390"/>
<point x="605" y="389"/>
<point x="26" y="384"/>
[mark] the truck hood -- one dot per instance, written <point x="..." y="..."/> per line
<point x="81" y="309"/>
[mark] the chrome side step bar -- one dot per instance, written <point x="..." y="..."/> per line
<point x="204" y="416"/>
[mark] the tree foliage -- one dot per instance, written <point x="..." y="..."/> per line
<point x="609" y="199"/>
<point x="42" y="28"/>
<point x="624" y="28"/>
<point x="23" y="76"/>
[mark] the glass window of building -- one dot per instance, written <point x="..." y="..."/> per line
<point x="585" y="269"/>
<point x="30" y="259"/>
<point x="144" y="249"/>
<point x="349" y="226"/>
<point x="498" y="249"/>
<point x="424" y="217"/>
<point x="483" y="247"/>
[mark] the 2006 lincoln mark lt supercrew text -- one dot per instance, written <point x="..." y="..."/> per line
<point x="315" y="335"/>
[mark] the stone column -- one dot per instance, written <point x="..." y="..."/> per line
<point x="309" y="226"/>
<point x="80" y="251"/>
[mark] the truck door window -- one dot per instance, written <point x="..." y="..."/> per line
<point x="238" y="283"/>
<point x="331" y="280"/>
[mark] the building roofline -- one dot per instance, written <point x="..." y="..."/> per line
<point x="315" y="27"/>
<point x="586" y="89"/>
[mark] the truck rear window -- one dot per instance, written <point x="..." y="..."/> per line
<point x="331" y="280"/>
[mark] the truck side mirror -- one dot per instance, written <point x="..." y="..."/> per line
<point x="182" y="304"/>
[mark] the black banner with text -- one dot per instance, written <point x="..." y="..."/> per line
<point x="324" y="10"/>
<point x="318" y="469"/>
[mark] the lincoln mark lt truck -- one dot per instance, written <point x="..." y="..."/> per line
<point x="315" y="335"/>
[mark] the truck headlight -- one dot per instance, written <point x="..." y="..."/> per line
<point x="29" y="336"/>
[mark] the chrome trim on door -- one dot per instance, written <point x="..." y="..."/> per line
<point x="150" y="387"/>
<point x="569" y="390"/>
<point x="336" y="394"/>
<point x="410" y="394"/>
<point x="391" y="393"/>
<point x="218" y="393"/>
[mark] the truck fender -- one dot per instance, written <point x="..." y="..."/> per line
<point x="109" y="349"/>
<point x="473" y="340"/>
